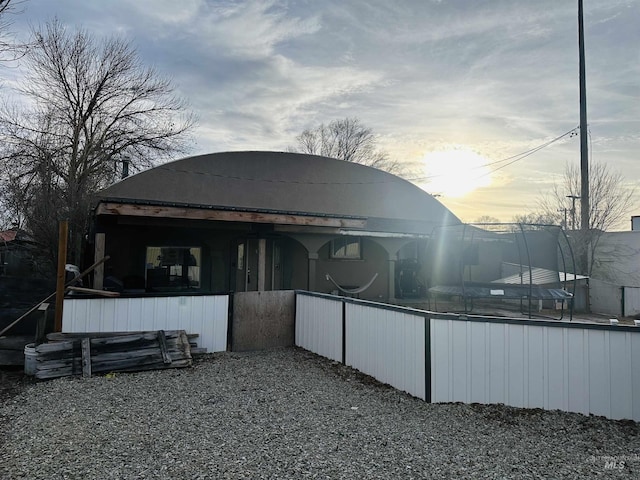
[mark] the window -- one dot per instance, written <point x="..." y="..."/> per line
<point x="240" y="261"/>
<point x="346" y="248"/>
<point x="173" y="268"/>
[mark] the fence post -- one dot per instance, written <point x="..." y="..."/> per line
<point x="427" y="359"/>
<point x="344" y="332"/>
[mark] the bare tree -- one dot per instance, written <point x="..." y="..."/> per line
<point x="610" y="201"/>
<point x="610" y="198"/>
<point x="347" y="140"/>
<point x="535" y="218"/>
<point x="87" y="107"/>
<point x="9" y="50"/>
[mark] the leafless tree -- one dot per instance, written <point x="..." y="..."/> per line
<point x="610" y="198"/>
<point x="87" y="106"/>
<point x="610" y="201"/>
<point x="347" y="140"/>
<point x="535" y="218"/>
<point x="9" y="50"/>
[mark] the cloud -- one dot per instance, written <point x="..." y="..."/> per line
<point x="497" y="76"/>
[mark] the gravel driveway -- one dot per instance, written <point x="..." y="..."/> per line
<point x="290" y="414"/>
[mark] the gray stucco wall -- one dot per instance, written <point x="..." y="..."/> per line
<point x="355" y="273"/>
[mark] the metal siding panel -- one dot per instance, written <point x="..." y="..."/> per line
<point x="535" y="367"/>
<point x="634" y="361"/>
<point x="169" y="313"/>
<point x="515" y="366"/>
<point x="598" y="373"/>
<point x="497" y="369"/>
<point x="108" y="314"/>
<point x="620" y="393"/>
<point x="555" y="369"/>
<point x="120" y="320"/>
<point x="420" y="356"/>
<point x="459" y="352"/>
<point x="477" y="369"/>
<point x="148" y="307"/>
<point x="440" y="368"/>
<point x="221" y="306"/>
<point x="378" y="344"/>
<point x="134" y="313"/>
<point x="577" y="379"/>
<point x="356" y="337"/>
<point x="319" y="326"/>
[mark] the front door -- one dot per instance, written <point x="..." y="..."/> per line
<point x="246" y="265"/>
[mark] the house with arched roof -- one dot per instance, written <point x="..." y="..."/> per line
<point x="256" y="221"/>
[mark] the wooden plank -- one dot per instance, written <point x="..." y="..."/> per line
<point x="158" y="211"/>
<point x="185" y="343"/>
<point x="86" y="357"/>
<point x="54" y="347"/>
<point x="103" y="293"/>
<point x="141" y="351"/>
<point x="55" y="337"/>
<point x="163" y="347"/>
<point x="98" y="275"/>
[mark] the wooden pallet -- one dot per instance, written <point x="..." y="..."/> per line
<point x="88" y="353"/>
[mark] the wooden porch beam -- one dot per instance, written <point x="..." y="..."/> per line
<point x="125" y="209"/>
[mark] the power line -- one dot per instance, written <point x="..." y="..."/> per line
<point x="513" y="158"/>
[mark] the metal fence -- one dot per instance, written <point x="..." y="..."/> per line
<point x="206" y="315"/>
<point x="570" y="366"/>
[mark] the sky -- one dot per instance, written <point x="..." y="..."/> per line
<point x="451" y="88"/>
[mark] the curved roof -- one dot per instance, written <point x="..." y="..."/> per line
<point x="277" y="181"/>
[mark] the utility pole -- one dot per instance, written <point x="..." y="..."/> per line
<point x="584" y="153"/>
<point x="564" y="212"/>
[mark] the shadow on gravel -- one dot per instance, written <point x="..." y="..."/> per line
<point x="12" y="382"/>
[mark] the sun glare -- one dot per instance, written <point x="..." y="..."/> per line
<point x="455" y="172"/>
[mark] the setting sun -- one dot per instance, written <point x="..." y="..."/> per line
<point x="455" y="172"/>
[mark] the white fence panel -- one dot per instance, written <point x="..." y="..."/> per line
<point x="319" y="325"/>
<point x="631" y="301"/>
<point x="206" y="315"/>
<point x="584" y="370"/>
<point x="388" y="345"/>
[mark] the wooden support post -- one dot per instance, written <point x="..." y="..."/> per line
<point x="62" y="261"/>
<point x="86" y="357"/>
<point x="262" y="264"/>
<point x="98" y="275"/>
<point x="41" y="324"/>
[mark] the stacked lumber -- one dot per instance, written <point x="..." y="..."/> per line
<point x="86" y="353"/>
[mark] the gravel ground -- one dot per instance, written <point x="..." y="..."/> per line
<point x="289" y="414"/>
